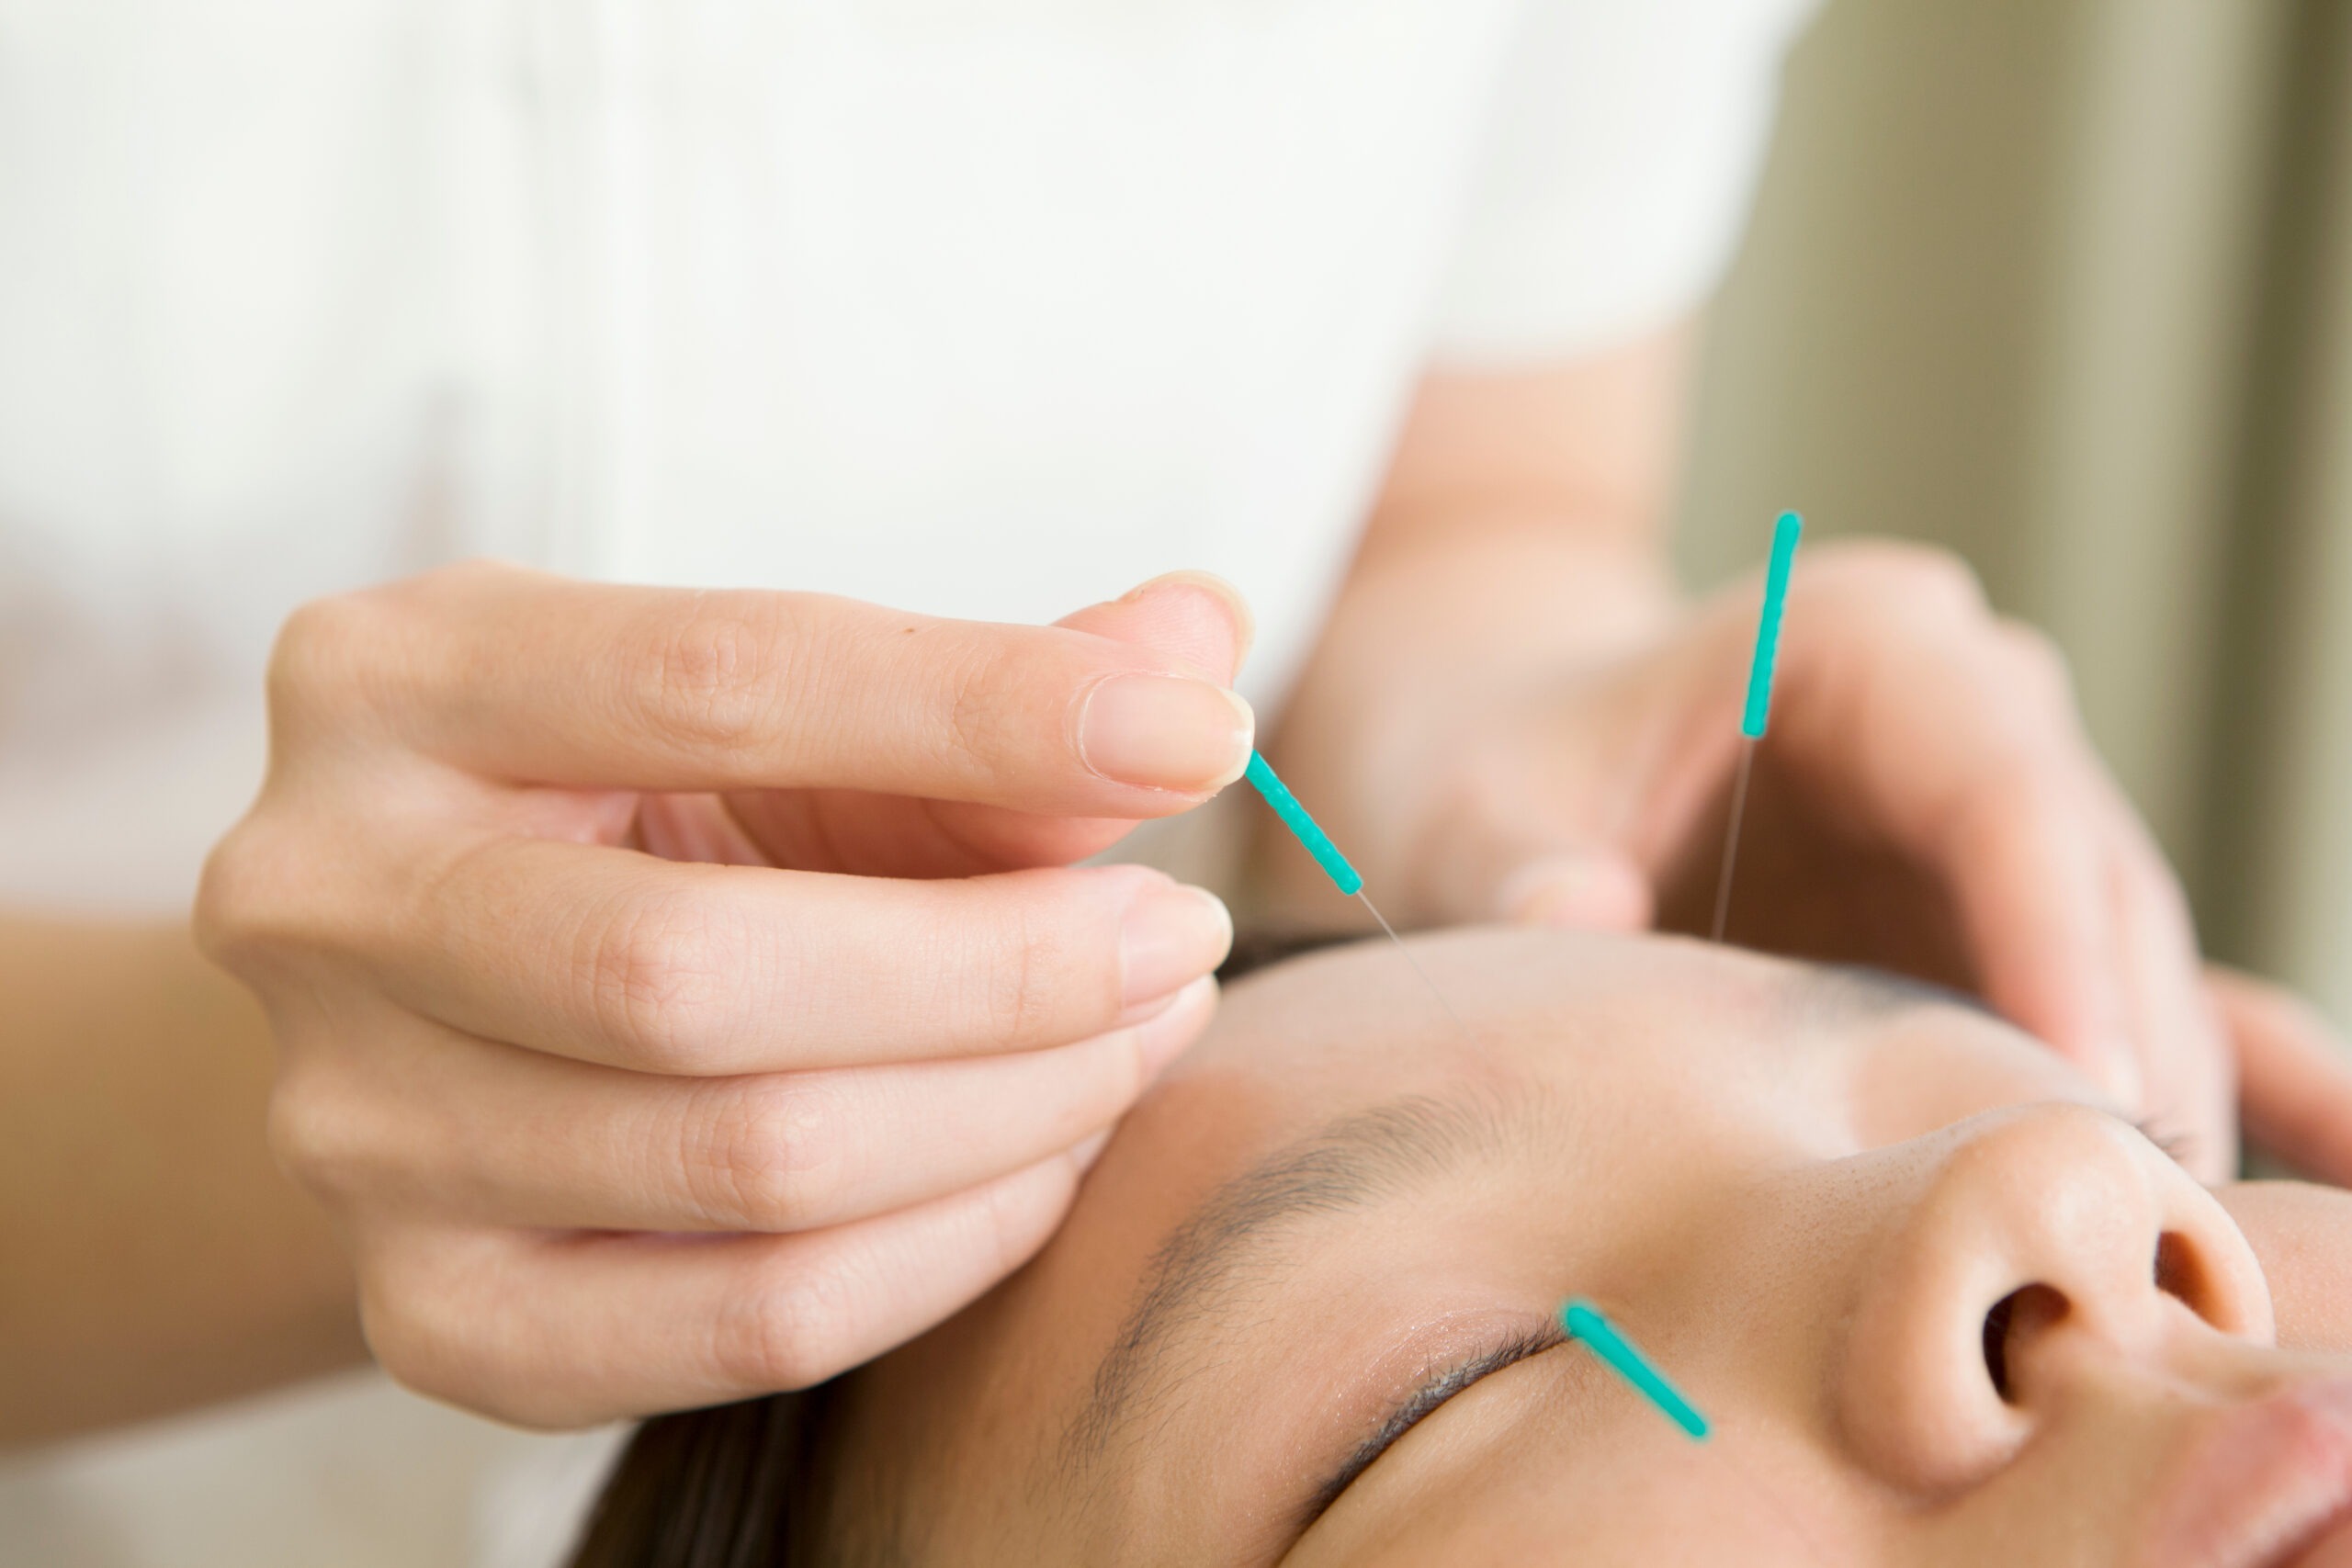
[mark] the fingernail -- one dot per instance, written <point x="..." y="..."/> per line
<point x="1163" y="1040"/>
<point x="1172" y="934"/>
<point x="1165" y="732"/>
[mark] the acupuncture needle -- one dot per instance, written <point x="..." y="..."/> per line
<point x="1591" y="1327"/>
<point x="1758" y="712"/>
<point x="1343" y="875"/>
<point x="1579" y="1319"/>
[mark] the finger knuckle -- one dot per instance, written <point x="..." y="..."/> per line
<point x="1021" y="965"/>
<point x="413" y="1336"/>
<point x="340" y="658"/>
<point x="397" y="1338"/>
<point x="330" y="658"/>
<point x="314" y="654"/>
<point x="765" y="1154"/>
<point x="792" y="1329"/>
<point x="654" y="967"/>
<point x="983" y="672"/>
<point x="241" y="888"/>
<point x="259" y="910"/>
<point x="312" y="1131"/>
<point x="720" y="672"/>
<point x="438" y="1310"/>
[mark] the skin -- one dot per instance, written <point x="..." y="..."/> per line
<point x="521" y="1022"/>
<point x="130" y="1283"/>
<point x="787" y="954"/>
<point x="1802" y="1203"/>
<point x="1511" y="718"/>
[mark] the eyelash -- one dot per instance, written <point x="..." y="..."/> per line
<point x="1424" y="1402"/>
<point x="2175" y="1145"/>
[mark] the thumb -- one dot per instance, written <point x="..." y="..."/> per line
<point x="1591" y="888"/>
<point x="2294" y="1075"/>
<point x="1513" y="845"/>
<point x="1191" y="616"/>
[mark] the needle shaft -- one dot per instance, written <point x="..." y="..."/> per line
<point x="1731" y="838"/>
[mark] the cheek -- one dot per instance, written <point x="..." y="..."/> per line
<point x="2303" y="1237"/>
<point x="1618" y="1497"/>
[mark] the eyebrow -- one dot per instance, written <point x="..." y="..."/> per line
<point x="1349" y="1164"/>
<point x="1367" y="1157"/>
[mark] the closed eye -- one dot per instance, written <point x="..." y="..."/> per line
<point x="2178" y="1146"/>
<point x="1423" y="1402"/>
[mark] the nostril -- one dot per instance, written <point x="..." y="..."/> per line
<point x="1996" y="1343"/>
<point x="2022" y="1311"/>
<point x="2180" y="1272"/>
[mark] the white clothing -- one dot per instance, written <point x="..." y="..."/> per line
<point x="986" y="307"/>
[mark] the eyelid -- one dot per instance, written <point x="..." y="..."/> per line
<point x="1425" y="1401"/>
<point x="2175" y="1145"/>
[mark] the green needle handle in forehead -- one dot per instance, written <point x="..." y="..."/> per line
<point x="1303" y="828"/>
<point x="1583" y="1320"/>
<point x="1768" y="630"/>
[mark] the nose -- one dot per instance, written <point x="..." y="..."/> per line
<point x="2026" y="1229"/>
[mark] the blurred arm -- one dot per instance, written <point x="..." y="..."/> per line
<point x="1523" y="527"/>
<point x="1523" y="524"/>
<point x="155" y="1259"/>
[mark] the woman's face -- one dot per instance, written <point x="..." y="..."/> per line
<point x="1940" y="1304"/>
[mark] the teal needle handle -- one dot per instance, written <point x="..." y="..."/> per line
<point x="1303" y="826"/>
<point x="1768" y="630"/>
<point x="1584" y="1321"/>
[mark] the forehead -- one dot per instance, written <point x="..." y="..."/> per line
<point x="1632" y="1047"/>
<point x="1500" y="995"/>
<point x="1501" y="1003"/>
<point x="1608" y="1073"/>
<point x="1612" y="1073"/>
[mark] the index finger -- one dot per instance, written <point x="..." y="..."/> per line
<point x="520" y="675"/>
<point x="1953" y="741"/>
<point x="2295" y="1075"/>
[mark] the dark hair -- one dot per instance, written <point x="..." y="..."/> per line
<point x="732" y="1486"/>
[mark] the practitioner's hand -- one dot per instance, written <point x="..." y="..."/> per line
<point x="1926" y="798"/>
<point x="2294" y="1075"/>
<point x="685" y="996"/>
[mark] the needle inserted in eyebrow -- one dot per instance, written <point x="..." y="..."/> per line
<point x="1758" y="712"/>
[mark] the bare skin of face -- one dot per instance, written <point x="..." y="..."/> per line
<point x="1941" y="1304"/>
